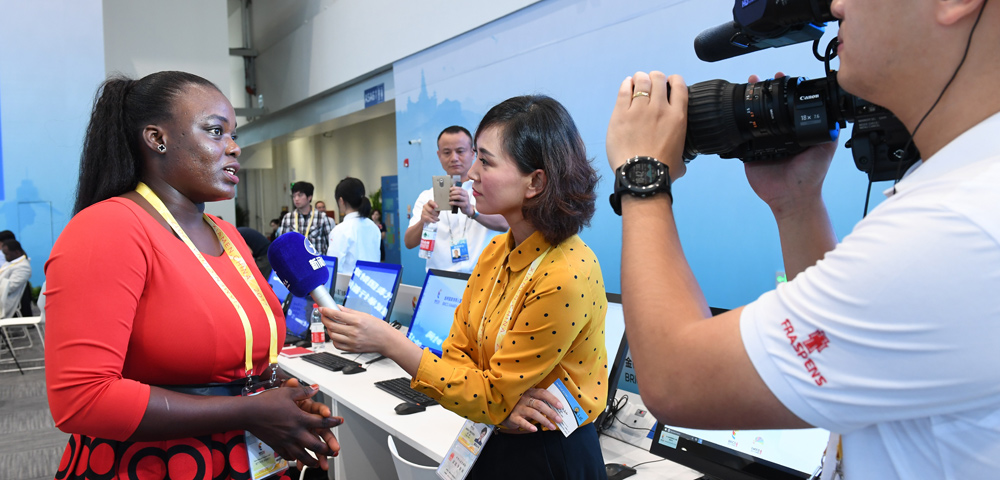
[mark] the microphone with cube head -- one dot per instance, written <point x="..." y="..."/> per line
<point x="300" y="268"/>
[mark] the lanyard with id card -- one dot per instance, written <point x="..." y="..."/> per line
<point x="464" y="450"/>
<point x="261" y="457"/>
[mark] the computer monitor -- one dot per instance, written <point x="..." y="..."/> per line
<point x="742" y="454"/>
<point x="298" y="309"/>
<point x="435" y="312"/>
<point x="373" y="288"/>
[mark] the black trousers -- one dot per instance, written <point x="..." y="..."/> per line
<point x="541" y="455"/>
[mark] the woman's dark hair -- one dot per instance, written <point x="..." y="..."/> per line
<point x="538" y="133"/>
<point x="352" y="191"/>
<point x="112" y="162"/>
<point x="13" y="245"/>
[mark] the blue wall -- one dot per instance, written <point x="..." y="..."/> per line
<point x="579" y="52"/>
<point x="51" y="62"/>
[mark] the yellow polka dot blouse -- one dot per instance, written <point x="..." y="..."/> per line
<point x="556" y="331"/>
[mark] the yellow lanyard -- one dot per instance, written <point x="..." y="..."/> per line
<point x="238" y="262"/>
<point x="505" y="323"/>
<point x="309" y="225"/>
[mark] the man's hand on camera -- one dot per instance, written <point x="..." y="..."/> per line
<point x="789" y="183"/>
<point x="646" y="122"/>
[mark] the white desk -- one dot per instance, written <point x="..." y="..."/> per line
<point x="369" y="415"/>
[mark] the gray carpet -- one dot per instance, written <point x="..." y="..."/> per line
<point x="30" y="444"/>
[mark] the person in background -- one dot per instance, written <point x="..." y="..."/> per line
<point x="468" y="227"/>
<point x="312" y="224"/>
<point x="146" y="354"/>
<point x="258" y="244"/>
<point x="275" y="225"/>
<point x="321" y="207"/>
<point x="377" y="218"/>
<point x="356" y="237"/>
<point x="887" y="339"/>
<point x="14" y="276"/>
<point x="533" y="311"/>
<point x="4" y="236"/>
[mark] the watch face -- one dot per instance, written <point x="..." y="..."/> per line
<point x="643" y="174"/>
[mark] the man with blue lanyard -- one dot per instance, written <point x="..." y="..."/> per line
<point x="460" y="236"/>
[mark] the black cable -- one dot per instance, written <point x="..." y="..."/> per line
<point x="968" y="46"/>
<point x="612" y="412"/>
<point x="650" y="461"/>
<point x="868" y="195"/>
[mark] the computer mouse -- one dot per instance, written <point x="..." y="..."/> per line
<point x="352" y="369"/>
<point x="407" y="408"/>
<point x="617" y="471"/>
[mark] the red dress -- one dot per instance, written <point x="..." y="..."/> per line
<point x="127" y="306"/>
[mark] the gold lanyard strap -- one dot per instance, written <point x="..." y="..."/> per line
<point x="505" y="323"/>
<point x="241" y="267"/>
<point x="309" y="224"/>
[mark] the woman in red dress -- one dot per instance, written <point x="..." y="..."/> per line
<point x="155" y="322"/>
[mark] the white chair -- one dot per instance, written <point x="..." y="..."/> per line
<point x="407" y="470"/>
<point x="38" y="322"/>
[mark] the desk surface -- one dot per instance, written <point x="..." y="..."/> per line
<point x="431" y="432"/>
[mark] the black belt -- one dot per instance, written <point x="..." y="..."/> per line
<point x="231" y="389"/>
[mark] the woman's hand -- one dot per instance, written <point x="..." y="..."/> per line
<point x="534" y="405"/>
<point x="794" y="181"/>
<point x="649" y="122"/>
<point x="354" y="331"/>
<point x="309" y="405"/>
<point x="290" y="429"/>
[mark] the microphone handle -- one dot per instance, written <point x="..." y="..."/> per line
<point x="322" y="298"/>
<point x="458" y="183"/>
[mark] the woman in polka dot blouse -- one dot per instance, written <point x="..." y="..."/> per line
<point x="533" y="310"/>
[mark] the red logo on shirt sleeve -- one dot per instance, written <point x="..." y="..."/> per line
<point x="815" y="343"/>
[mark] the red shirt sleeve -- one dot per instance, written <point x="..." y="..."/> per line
<point x="94" y="278"/>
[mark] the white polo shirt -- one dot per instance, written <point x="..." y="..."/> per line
<point x="893" y="338"/>
<point x="356" y="238"/>
<point x="454" y="226"/>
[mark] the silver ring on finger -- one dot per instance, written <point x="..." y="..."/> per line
<point x="531" y="403"/>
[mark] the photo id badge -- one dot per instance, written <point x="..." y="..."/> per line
<point x="262" y="459"/>
<point x="464" y="450"/>
<point x="459" y="251"/>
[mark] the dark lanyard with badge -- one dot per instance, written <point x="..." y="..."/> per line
<point x="473" y="436"/>
<point x="262" y="459"/>
<point x="459" y="243"/>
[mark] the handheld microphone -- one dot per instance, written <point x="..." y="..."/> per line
<point x="458" y="183"/>
<point x="300" y="268"/>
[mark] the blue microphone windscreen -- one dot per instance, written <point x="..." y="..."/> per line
<point x="297" y="264"/>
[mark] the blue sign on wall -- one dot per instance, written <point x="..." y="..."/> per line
<point x="2" y="196"/>
<point x="375" y="95"/>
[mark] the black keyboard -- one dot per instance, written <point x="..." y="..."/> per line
<point x="329" y="361"/>
<point x="400" y="387"/>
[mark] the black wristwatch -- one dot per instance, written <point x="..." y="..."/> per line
<point x="640" y="177"/>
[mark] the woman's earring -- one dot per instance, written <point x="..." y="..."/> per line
<point x="162" y="148"/>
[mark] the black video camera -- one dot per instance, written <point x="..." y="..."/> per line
<point x="781" y="117"/>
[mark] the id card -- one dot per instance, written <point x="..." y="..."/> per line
<point x="459" y="251"/>
<point x="464" y="450"/>
<point x="571" y="413"/>
<point x="263" y="461"/>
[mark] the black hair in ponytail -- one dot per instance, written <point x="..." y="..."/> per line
<point x="111" y="163"/>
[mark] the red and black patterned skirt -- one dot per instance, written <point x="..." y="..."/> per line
<point x="222" y="456"/>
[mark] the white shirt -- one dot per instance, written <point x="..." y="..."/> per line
<point x="14" y="276"/>
<point x="356" y="238"/>
<point x="453" y="227"/>
<point x="892" y="338"/>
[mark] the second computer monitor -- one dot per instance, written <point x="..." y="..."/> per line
<point x="435" y="310"/>
<point x="373" y="288"/>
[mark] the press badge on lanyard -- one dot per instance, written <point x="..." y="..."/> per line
<point x="464" y="450"/>
<point x="262" y="459"/>
<point x="459" y="251"/>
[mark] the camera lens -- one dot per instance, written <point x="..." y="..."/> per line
<point x="759" y="121"/>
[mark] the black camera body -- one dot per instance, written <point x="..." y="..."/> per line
<point x="781" y="117"/>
